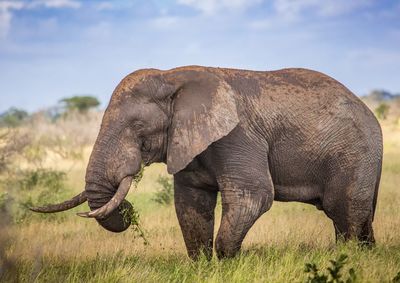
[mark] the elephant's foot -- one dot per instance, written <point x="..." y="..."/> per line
<point x="363" y="233"/>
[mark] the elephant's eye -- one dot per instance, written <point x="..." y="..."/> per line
<point x="146" y="146"/>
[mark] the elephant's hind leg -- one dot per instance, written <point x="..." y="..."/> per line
<point x="195" y="211"/>
<point x="350" y="203"/>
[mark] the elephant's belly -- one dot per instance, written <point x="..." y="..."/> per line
<point x="309" y="194"/>
<point x="295" y="176"/>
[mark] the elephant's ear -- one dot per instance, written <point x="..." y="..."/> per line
<point x="204" y="111"/>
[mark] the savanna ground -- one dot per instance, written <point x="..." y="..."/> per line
<point x="66" y="248"/>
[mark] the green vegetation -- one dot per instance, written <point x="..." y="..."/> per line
<point x="396" y="279"/>
<point x="334" y="272"/>
<point x="382" y="111"/>
<point x="80" y="103"/>
<point x="165" y="195"/>
<point x="267" y="264"/>
<point x="13" y="117"/>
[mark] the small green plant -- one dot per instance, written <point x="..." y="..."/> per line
<point x="3" y="200"/>
<point x="382" y="111"/>
<point x="334" y="272"/>
<point x="396" y="279"/>
<point x="165" y="194"/>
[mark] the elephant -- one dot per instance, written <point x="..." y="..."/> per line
<point x="254" y="136"/>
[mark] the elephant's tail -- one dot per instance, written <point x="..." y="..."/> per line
<point x="378" y="180"/>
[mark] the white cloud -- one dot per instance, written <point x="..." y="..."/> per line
<point x="261" y="24"/>
<point x="287" y="12"/>
<point x="293" y="9"/>
<point x="289" y="9"/>
<point x="6" y="8"/>
<point x="6" y="15"/>
<point x="211" y="7"/>
<point x="56" y="4"/>
<point x="165" y="22"/>
<point x="100" y="30"/>
<point x="104" y="6"/>
<point x="374" y="57"/>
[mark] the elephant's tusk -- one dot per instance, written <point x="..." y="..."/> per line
<point x="71" y="203"/>
<point x="115" y="201"/>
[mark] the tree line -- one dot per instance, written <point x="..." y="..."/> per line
<point x="14" y="117"/>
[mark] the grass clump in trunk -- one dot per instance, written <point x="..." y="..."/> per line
<point x="131" y="215"/>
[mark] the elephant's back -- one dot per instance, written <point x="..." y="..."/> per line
<point x="299" y="95"/>
<point x="307" y="118"/>
<point x="289" y="87"/>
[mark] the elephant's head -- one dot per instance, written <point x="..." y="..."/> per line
<point x="153" y="116"/>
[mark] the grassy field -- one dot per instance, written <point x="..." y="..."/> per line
<point x="72" y="249"/>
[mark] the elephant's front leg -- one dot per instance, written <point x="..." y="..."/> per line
<point x="246" y="193"/>
<point x="195" y="211"/>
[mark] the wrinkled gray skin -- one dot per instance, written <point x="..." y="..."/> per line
<point x="255" y="137"/>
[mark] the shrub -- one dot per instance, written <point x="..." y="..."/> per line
<point x="334" y="272"/>
<point x="3" y="199"/>
<point x="13" y="117"/>
<point x="382" y="111"/>
<point x="31" y="188"/>
<point x="165" y="194"/>
<point x="396" y="279"/>
<point x="51" y="179"/>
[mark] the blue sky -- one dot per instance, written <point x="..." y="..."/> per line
<point x="50" y="49"/>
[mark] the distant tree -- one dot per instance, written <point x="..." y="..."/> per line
<point x="80" y="103"/>
<point x="13" y="117"/>
<point x="381" y="95"/>
<point x="382" y="111"/>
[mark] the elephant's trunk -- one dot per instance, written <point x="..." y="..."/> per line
<point x="106" y="198"/>
<point x="112" y="167"/>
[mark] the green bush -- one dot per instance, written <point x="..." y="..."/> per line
<point x="3" y="200"/>
<point x="382" y="111"/>
<point x="334" y="272"/>
<point x="13" y="117"/>
<point x="34" y="188"/>
<point x="51" y="179"/>
<point x="165" y="194"/>
<point x="396" y="279"/>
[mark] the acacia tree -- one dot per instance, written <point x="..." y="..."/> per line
<point x="80" y="103"/>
